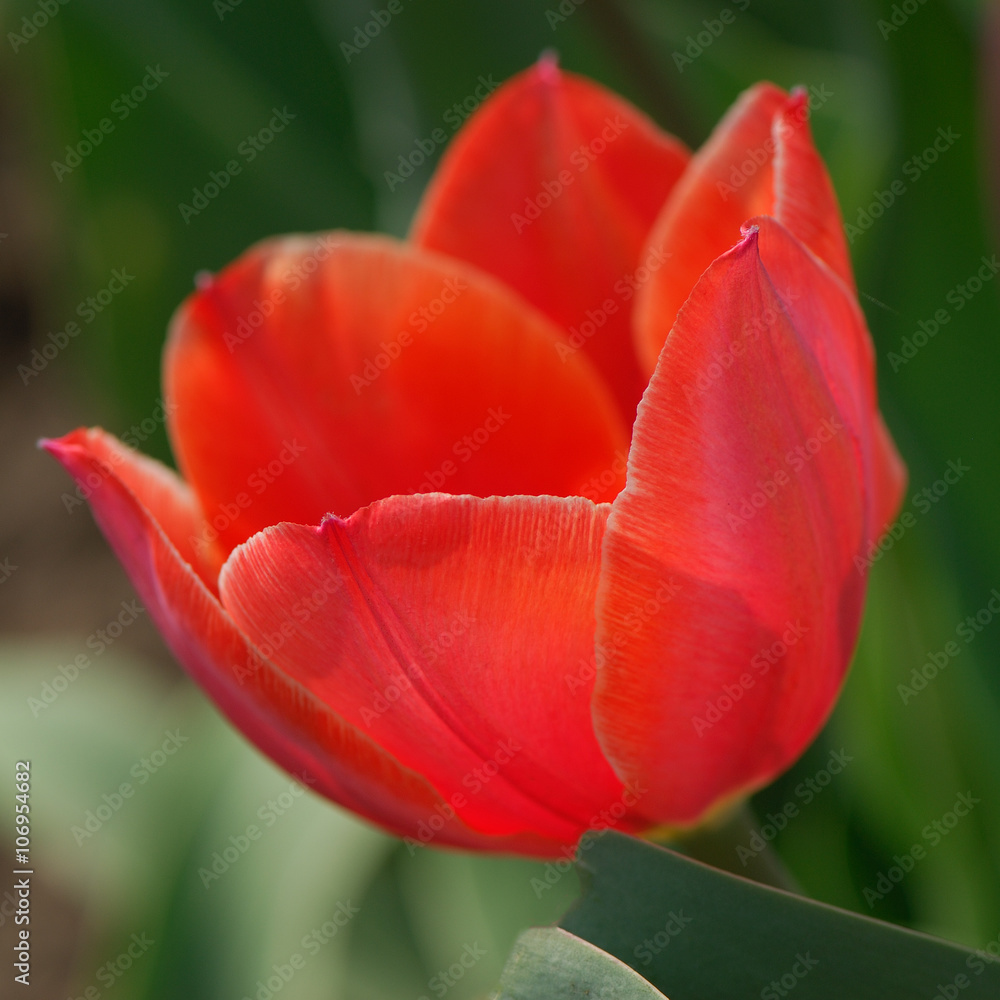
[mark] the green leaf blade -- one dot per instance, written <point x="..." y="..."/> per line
<point x="548" y="963"/>
<point x="697" y="933"/>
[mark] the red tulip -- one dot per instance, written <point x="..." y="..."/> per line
<point x="405" y="559"/>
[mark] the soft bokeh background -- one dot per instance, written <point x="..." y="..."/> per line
<point x="224" y="66"/>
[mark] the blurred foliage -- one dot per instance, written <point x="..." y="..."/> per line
<point x="226" y="66"/>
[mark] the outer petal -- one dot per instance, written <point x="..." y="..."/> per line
<point x="320" y="375"/>
<point x="273" y="710"/>
<point x="750" y="483"/>
<point x="819" y="303"/>
<point x="760" y="160"/>
<point x="553" y="186"/>
<point x="890" y="478"/>
<point x="460" y="637"/>
<point x="170" y="501"/>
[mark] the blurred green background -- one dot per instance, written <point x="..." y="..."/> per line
<point x="894" y="74"/>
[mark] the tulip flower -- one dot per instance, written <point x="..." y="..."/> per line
<point x="550" y="517"/>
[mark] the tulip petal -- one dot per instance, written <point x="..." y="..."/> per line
<point x="748" y="499"/>
<point x="460" y="638"/>
<point x="844" y="352"/>
<point x="553" y="187"/>
<point x="890" y="478"/>
<point x="759" y="160"/>
<point x="169" y="500"/>
<point x="271" y="709"/>
<point x="316" y="376"/>
<point x="804" y="199"/>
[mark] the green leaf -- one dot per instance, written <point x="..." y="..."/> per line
<point x="551" y="964"/>
<point x="700" y="934"/>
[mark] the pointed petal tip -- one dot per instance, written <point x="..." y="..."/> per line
<point x="59" y="448"/>
<point x="547" y="67"/>
<point x="797" y="104"/>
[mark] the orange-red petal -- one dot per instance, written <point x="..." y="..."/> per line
<point x="759" y="160"/>
<point x="748" y="499"/>
<point x="318" y="375"/>
<point x="285" y="720"/>
<point x="844" y="351"/>
<point x="458" y="633"/>
<point x="553" y="186"/>
<point x="890" y="478"/>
